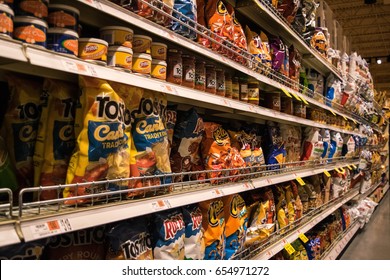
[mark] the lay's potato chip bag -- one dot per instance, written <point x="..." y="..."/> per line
<point x="102" y="150"/>
<point x="56" y="139"/>
<point x="236" y="222"/>
<point x="213" y="224"/>
<point x="19" y="128"/>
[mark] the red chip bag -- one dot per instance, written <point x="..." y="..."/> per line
<point x="239" y="38"/>
<point x="201" y="17"/>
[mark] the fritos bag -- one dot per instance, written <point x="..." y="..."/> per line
<point x="213" y="223"/>
<point x="169" y="234"/>
<point x="102" y="150"/>
<point x="55" y="137"/>
<point x="220" y="22"/>
<point x="130" y="240"/>
<point x="193" y="240"/>
<point x="236" y="222"/>
<point x="20" y="125"/>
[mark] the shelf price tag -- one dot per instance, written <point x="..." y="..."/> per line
<point x="304" y="100"/>
<point x="354" y="166"/>
<point x="300" y="181"/>
<point x="289" y="248"/>
<point x="326" y="172"/>
<point x="217" y="193"/>
<point x="295" y="96"/>
<point x="349" y="167"/>
<point x="332" y="112"/>
<point x="50" y="228"/>
<point x="286" y="92"/>
<point x="226" y="102"/>
<point x="248" y="185"/>
<point x="161" y="205"/>
<point x="345" y="118"/>
<point x="303" y="237"/>
<point x="354" y="121"/>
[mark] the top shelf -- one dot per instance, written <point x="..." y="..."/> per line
<point x="262" y="13"/>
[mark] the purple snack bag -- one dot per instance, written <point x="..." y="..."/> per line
<point x="278" y="53"/>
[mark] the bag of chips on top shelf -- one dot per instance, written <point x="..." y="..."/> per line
<point x="201" y="17"/>
<point x="239" y="38"/>
<point x="319" y="41"/>
<point x="165" y="6"/>
<point x="187" y="137"/>
<point x="213" y="224"/>
<point x="193" y="241"/>
<point x="188" y="9"/>
<point x="55" y="138"/>
<point x="288" y="8"/>
<point x="220" y="22"/>
<point x="103" y="144"/>
<point x="149" y="154"/>
<point x="278" y="54"/>
<point x="85" y="244"/>
<point x="20" y="125"/>
<point x="129" y="240"/>
<point x="168" y="235"/>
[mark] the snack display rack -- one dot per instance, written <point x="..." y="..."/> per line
<point x="30" y="221"/>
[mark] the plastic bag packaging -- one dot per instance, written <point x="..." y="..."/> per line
<point x="220" y="22"/>
<point x="279" y="54"/>
<point x="20" y="126"/>
<point x="130" y="240"/>
<point x="282" y="212"/>
<point x="316" y="83"/>
<point x="294" y="64"/>
<point x="288" y="8"/>
<point x="55" y="136"/>
<point x="338" y="141"/>
<point x="213" y="224"/>
<point x="313" y="146"/>
<point x="348" y="149"/>
<point x="187" y="137"/>
<point x="102" y="150"/>
<point x="171" y="122"/>
<point x="300" y="251"/>
<point x="187" y="8"/>
<point x="201" y="17"/>
<point x="236" y="221"/>
<point x="168" y="235"/>
<point x="319" y="41"/>
<point x="193" y="241"/>
<point x="241" y="141"/>
<point x="292" y="138"/>
<point x="239" y="38"/>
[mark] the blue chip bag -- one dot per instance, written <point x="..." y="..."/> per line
<point x="24" y="251"/>
<point x="193" y="241"/>
<point x="187" y="8"/>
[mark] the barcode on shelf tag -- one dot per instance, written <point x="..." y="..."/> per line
<point x="326" y="172"/>
<point x="270" y="253"/>
<point x="304" y="100"/>
<point x="300" y="181"/>
<point x="161" y="205"/>
<point x="248" y="185"/>
<point x="349" y="167"/>
<point x="217" y="193"/>
<point x="286" y="92"/>
<point x="303" y="237"/>
<point x="269" y="181"/>
<point x="51" y="228"/>
<point x="295" y="96"/>
<point x="289" y="248"/>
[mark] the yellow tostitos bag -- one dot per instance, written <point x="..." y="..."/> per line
<point x="102" y="150"/>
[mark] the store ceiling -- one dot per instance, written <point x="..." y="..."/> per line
<point x="367" y="27"/>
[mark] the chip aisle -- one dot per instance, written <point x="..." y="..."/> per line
<point x="201" y="174"/>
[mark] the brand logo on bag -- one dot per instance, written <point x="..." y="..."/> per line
<point x="196" y="217"/>
<point x="132" y="249"/>
<point x="215" y="210"/>
<point x="173" y="225"/>
<point x="221" y="137"/>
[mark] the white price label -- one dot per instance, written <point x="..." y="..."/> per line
<point x="248" y="185"/>
<point x="92" y="71"/>
<point x="51" y="228"/>
<point x="217" y="193"/>
<point x="75" y="67"/>
<point x="161" y="205"/>
<point x="226" y="102"/>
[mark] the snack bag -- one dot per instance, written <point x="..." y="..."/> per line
<point x="241" y="141"/>
<point x="220" y="22"/>
<point x="102" y="150"/>
<point x="166" y="6"/>
<point x="278" y="54"/>
<point x="291" y="206"/>
<point x="7" y="173"/>
<point x="169" y="234"/>
<point x="348" y="149"/>
<point x="19" y="128"/>
<point x="276" y="157"/>
<point x="313" y="246"/>
<point x="288" y="8"/>
<point x="290" y="139"/>
<point x="282" y="212"/>
<point x="338" y="141"/>
<point x="32" y="250"/>
<point x="300" y="251"/>
<point x="171" y="122"/>
<point x="325" y="134"/>
<point x="295" y="64"/>
<point x="85" y="244"/>
<point x="320" y="42"/>
<point x="298" y="206"/>
<point x="186" y="142"/>
<point x="55" y="137"/>
<point x="236" y="221"/>
<point x="187" y="8"/>
<point x="218" y="153"/>
<point x="313" y="146"/>
<point x="129" y="240"/>
<point x="201" y="17"/>
<point x="213" y="224"/>
<point x="193" y="241"/>
<point x="258" y="46"/>
<point x="239" y="38"/>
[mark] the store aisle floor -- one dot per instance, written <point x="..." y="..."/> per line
<point x="373" y="241"/>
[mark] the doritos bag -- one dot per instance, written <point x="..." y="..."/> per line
<point x="236" y="222"/>
<point x="85" y="244"/>
<point x="130" y="240"/>
<point x="20" y="125"/>
<point x="193" y="241"/>
<point x="220" y="22"/>
<point x="213" y="223"/>
<point x="169" y="233"/>
<point x="55" y="137"/>
<point x="187" y="137"/>
<point x="102" y="150"/>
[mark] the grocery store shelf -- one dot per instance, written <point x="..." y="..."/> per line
<point x="8" y="234"/>
<point x="338" y="246"/>
<point x="276" y="246"/>
<point x="384" y="191"/>
<point x="11" y="51"/>
<point x="54" y="65"/>
<point x="262" y="13"/>
<point x="367" y="193"/>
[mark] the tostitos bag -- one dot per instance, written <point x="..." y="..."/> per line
<point x="102" y="150"/>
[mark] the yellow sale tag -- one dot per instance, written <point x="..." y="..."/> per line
<point x="345" y="118"/>
<point x="286" y="92"/>
<point x="304" y="101"/>
<point x="327" y="173"/>
<point x="332" y="112"/>
<point x="349" y="167"/>
<point x="289" y="248"/>
<point x="354" y="121"/>
<point x="303" y="237"/>
<point x="296" y="96"/>
<point x="338" y="170"/>
<point x="354" y="166"/>
<point x="300" y="181"/>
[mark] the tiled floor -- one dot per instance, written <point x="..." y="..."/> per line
<point x="373" y="241"/>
